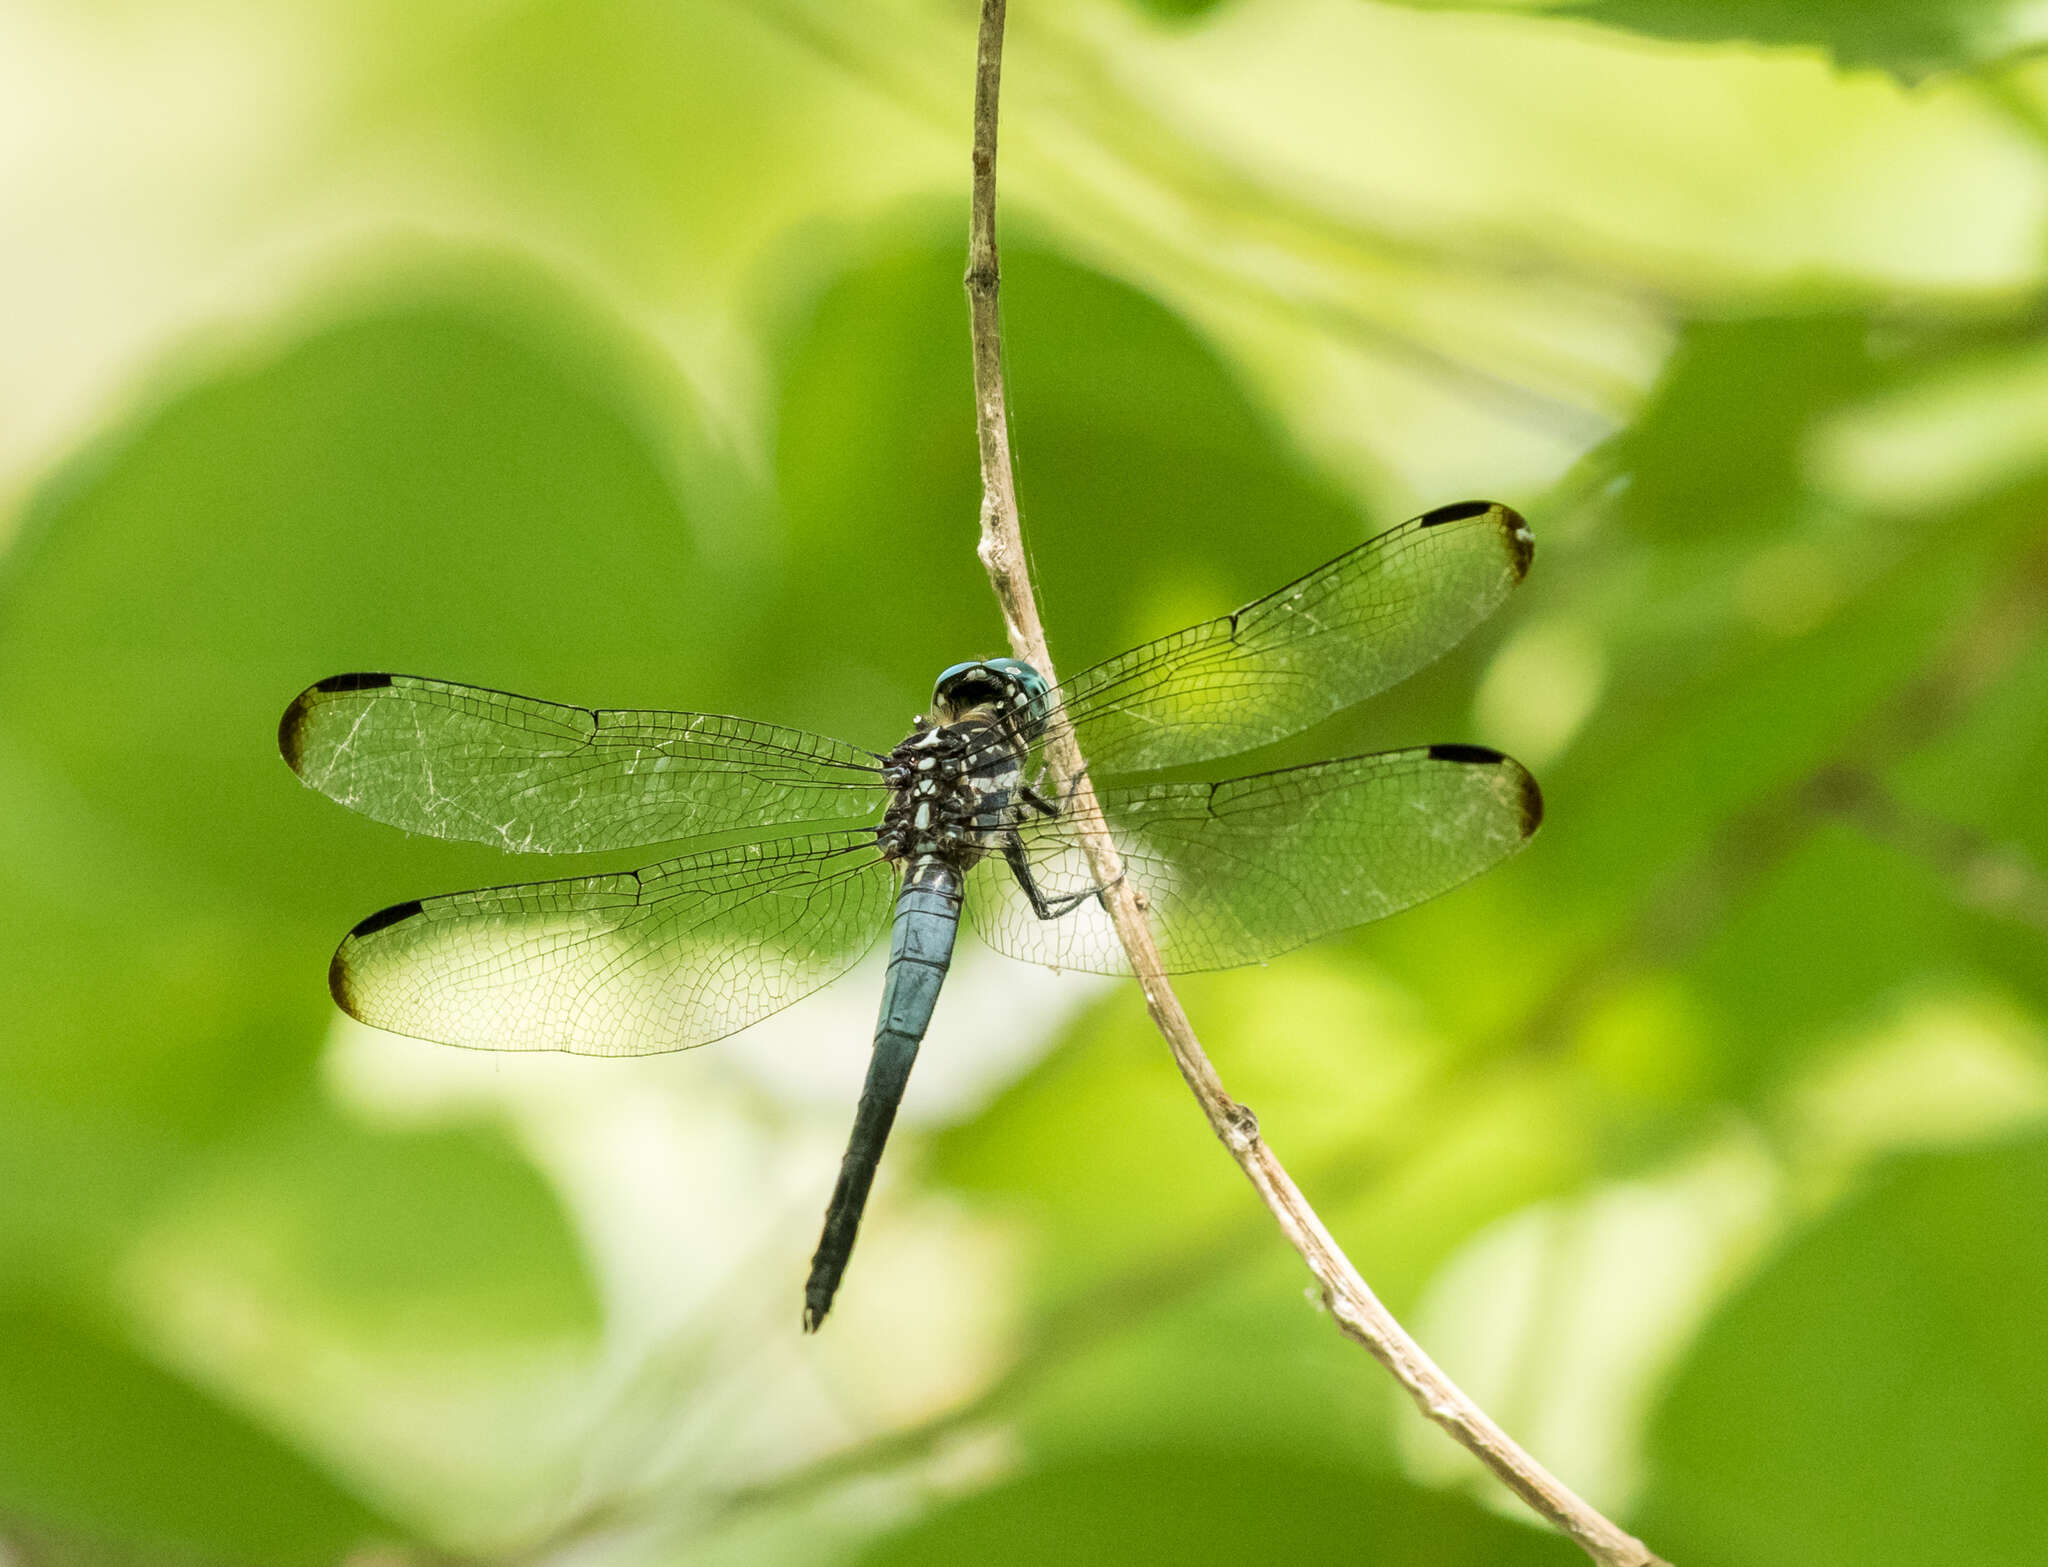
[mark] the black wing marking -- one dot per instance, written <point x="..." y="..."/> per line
<point x="1240" y="872"/>
<point x="459" y="761"/>
<point x="1352" y="627"/>
<point x="673" y="955"/>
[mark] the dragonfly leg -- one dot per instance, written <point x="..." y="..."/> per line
<point x="1044" y="907"/>
<point x="1037" y="801"/>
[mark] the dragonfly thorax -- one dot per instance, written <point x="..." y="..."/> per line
<point x="953" y="789"/>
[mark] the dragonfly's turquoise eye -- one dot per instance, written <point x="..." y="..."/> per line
<point x="1030" y="684"/>
<point x="1007" y="680"/>
<point x="948" y="676"/>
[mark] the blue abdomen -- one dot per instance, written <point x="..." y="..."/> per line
<point x="920" y="950"/>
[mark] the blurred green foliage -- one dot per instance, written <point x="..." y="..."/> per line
<point x="1207" y="1506"/>
<point x="617" y="354"/>
<point x="1902" y="36"/>
<point x="100" y="1440"/>
<point x="1910" y="38"/>
<point x="1869" y="1308"/>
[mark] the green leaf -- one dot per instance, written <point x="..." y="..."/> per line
<point x="1178" y="10"/>
<point x="456" y="473"/>
<point x="1150" y="1254"/>
<point x="96" y="1439"/>
<point x="462" y="484"/>
<point x="142" y="1030"/>
<point x="1842" y="926"/>
<point x="1873" y="1396"/>
<point x="1984" y="774"/>
<point x="1344" y="1074"/>
<point x="403" y="1240"/>
<point x="1192" y="1507"/>
<point x="1910" y="38"/>
<point x="1124" y="418"/>
<point x="1720" y="445"/>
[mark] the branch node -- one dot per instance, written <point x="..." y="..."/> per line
<point x="1241" y="1132"/>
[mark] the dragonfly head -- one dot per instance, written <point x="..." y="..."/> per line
<point x="1008" y="685"/>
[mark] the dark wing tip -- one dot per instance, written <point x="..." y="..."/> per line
<point x="1513" y="525"/>
<point x="353" y="683"/>
<point x="340" y="983"/>
<point x="1532" y="803"/>
<point x="814" y="1316"/>
<point x="1530" y="798"/>
<point x="384" y="918"/>
<point x="1521" y="542"/>
<point x="291" y="728"/>
<point x="1457" y="511"/>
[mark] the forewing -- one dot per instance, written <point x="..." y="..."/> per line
<point x="677" y="954"/>
<point x="1240" y="872"/>
<point x="1371" y="617"/>
<point x="537" y="777"/>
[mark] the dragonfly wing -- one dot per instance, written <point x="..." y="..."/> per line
<point x="1371" y="617"/>
<point x="537" y="777"/>
<point x="1240" y="872"/>
<point x="635" y="963"/>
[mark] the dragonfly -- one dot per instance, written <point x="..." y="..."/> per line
<point x="817" y="845"/>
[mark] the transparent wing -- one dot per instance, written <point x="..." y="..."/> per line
<point x="537" y="777"/>
<point x="1371" y="617"/>
<point x="1243" y="871"/>
<point x="677" y="954"/>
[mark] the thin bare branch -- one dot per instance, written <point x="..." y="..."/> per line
<point x="1981" y="873"/>
<point x="1350" y="1300"/>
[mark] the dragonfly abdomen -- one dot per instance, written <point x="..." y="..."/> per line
<point x="920" y="951"/>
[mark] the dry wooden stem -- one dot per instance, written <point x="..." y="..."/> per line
<point x="1350" y="1301"/>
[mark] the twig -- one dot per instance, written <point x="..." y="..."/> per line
<point x="1350" y="1300"/>
<point x="1982" y="874"/>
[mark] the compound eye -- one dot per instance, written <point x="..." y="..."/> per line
<point x="1027" y="682"/>
<point x="974" y="693"/>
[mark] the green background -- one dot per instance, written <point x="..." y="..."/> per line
<point x="615" y="353"/>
